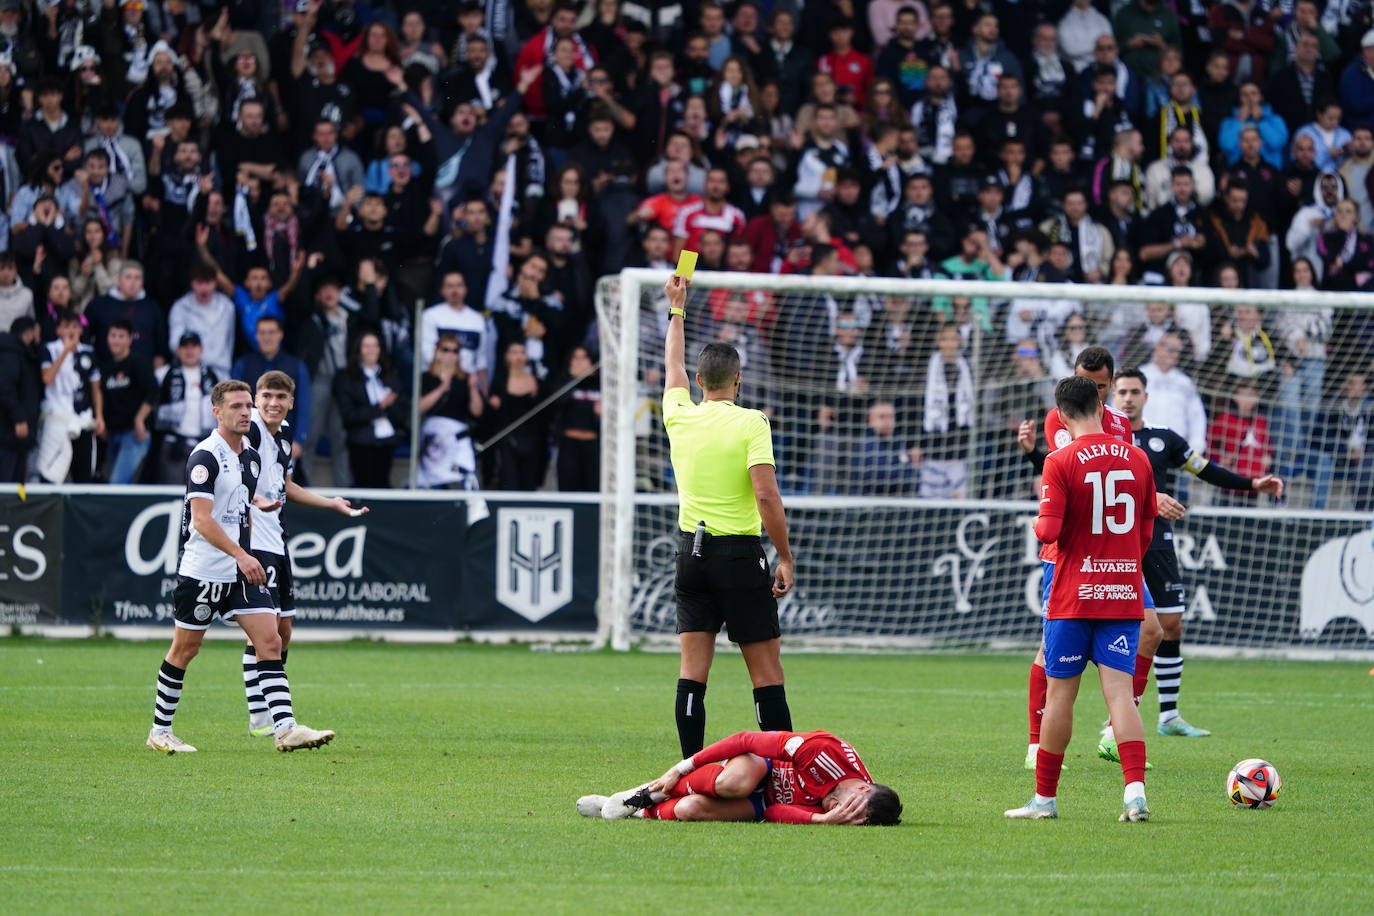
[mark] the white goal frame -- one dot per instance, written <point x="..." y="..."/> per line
<point x="620" y="379"/>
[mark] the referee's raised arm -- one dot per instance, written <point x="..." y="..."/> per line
<point x="722" y="456"/>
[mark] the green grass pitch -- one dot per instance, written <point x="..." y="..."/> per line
<point x="451" y="786"/>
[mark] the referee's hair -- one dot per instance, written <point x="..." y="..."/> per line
<point x="717" y="365"/>
<point x="228" y="387"/>
<point x="1135" y="374"/>
<point x="1076" y="398"/>
<point x="884" y="807"/>
<point x="276" y="380"/>
<point x="1094" y="358"/>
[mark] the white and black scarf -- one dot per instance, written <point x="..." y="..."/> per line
<point x="119" y="160"/>
<point x="376" y="392"/>
<point x="1021" y="193"/>
<point x="243" y="219"/>
<point x="568" y="84"/>
<point x="935" y="127"/>
<point x="324" y="163"/>
<point x="937" y="413"/>
<point x="734" y="98"/>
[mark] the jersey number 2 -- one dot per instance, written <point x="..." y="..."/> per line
<point x="1106" y="499"/>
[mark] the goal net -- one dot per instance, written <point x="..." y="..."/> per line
<point x="896" y="406"/>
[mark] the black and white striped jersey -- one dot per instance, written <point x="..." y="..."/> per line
<point x="215" y="472"/>
<point x="277" y="467"/>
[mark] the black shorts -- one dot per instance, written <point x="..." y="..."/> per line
<point x="279" y="584"/>
<point x="196" y="602"/>
<point x="729" y="585"/>
<point x="1163" y="580"/>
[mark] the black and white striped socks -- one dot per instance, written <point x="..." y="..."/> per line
<point x="1168" y="677"/>
<point x="257" y="706"/>
<point x="170" y="680"/>
<point x="276" y="691"/>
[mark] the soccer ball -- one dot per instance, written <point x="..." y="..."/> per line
<point x="1253" y="783"/>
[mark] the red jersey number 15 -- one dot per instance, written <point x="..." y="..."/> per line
<point x="1106" y="500"/>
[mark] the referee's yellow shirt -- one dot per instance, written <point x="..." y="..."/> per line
<point x="714" y="444"/>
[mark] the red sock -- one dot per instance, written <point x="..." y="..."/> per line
<point x="1047" y="767"/>
<point x="1132" y="754"/>
<point x="1037" y="700"/>
<point x="701" y="781"/>
<point x="663" y="811"/>
<point x="1142" y="676"/>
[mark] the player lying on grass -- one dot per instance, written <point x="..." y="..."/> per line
<point x="782" y="777"/>
<point x="1098" y="508"/>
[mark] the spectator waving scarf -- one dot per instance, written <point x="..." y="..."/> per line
<point x="324" y="165"/>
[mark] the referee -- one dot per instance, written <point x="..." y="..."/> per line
<point x="723" y="460"/>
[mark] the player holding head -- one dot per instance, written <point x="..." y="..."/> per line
<point x="272" y="437"/>
<point x="1096" y="365"/>
<point x="1098" y="506"/>
<point x="783" y="777"/>
<point x="1167" y="451"/>
<point x="218" y="575"/>
<point x="722" y="457"/>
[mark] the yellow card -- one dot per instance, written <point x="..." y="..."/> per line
<point x="686" y="264"/>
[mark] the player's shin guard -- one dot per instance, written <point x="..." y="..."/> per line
<point x="663" y="811"/>
<point x="1047" y="769"/>
<point x="701" y="781"/>
<point x="252" y="691"/>
<point x="170" y="680"/>
<point x="1168" y="677"/>
<point x="1038" y="687"/>
<point x="1142" y="676"/>
<point x="691" y="715"/>
<point x="1132" y="755"/>
<point x="770" y="708"/>
<point x="276" y="691"/>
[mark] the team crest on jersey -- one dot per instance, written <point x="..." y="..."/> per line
<point x="202" y="612"/>
<point x="1156" y="444"/>
<point x="253" y="466"/>
<point x="199" y="474"/>
<point x="534" y="560"/>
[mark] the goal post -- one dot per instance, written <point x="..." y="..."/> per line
<point x="909" y="501"/>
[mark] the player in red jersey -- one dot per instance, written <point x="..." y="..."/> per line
<point x="1098" y="507"/>
<point x="782" y="777"/>
<point x="1097" y="365"/>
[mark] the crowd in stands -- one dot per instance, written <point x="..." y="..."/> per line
<point x="360" y="193"/>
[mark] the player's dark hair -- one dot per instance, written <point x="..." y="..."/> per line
<point x="269" y="319"/>
<point x="122" y="324"/>
<point x="226" y="388"/>
<point x="1094" y="358"/>
<point x="1135" y="374"/>
<point x="1076" y="398"/>
<point x="276" y="380"/>
<point x="67" y="316"/>
<point x="718" y="365"/>
<point x="884" y="807"/>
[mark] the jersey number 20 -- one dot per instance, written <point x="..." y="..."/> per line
<point x="1106" y="499"/>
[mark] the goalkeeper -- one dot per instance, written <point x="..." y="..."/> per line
<point x="722" y="458"/>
